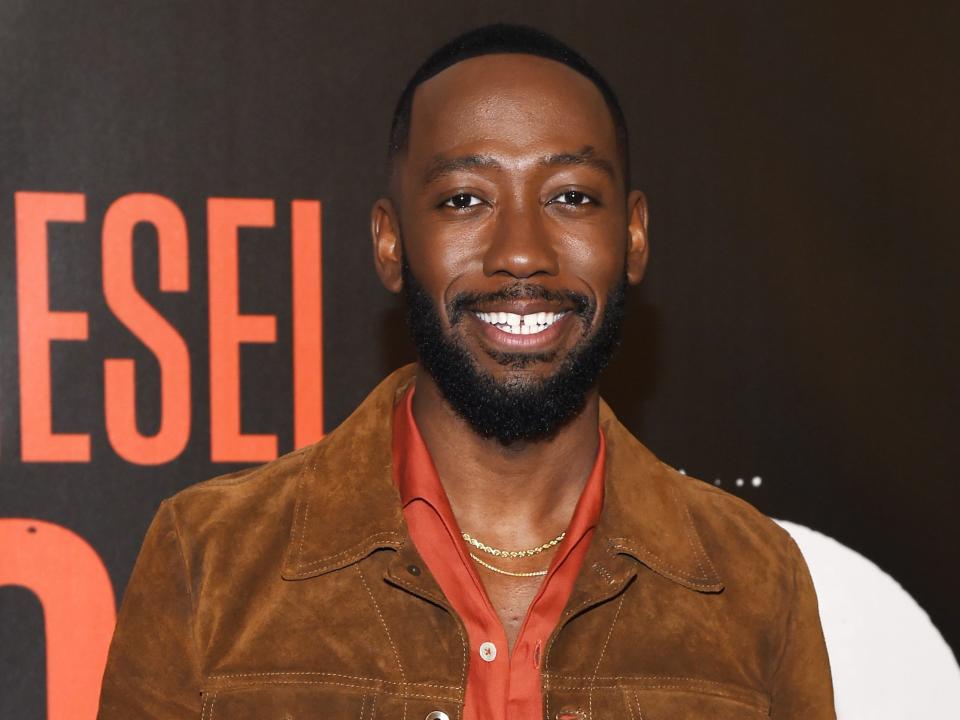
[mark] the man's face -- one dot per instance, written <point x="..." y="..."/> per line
<point x="516" y="229"/>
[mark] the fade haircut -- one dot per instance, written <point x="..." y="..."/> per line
<point x="494" y="40"/>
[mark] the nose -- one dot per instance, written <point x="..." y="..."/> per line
<point x="520" y="245"/>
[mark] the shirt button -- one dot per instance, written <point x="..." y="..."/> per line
<point x="488" y="651"/>
<point x="437" y="715"/>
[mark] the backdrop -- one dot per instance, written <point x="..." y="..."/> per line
<point x="186" y="283"/>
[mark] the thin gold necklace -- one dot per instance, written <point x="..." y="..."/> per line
<point x="488" y="566"/>
<point x="496" y="552"/>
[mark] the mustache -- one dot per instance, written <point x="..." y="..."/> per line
<point x="464" y="301"/>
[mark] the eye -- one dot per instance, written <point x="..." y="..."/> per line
<point x="461" y="201"/>
<point x="572" y="197"/>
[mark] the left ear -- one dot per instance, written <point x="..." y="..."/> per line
<point x="637" y="246"/>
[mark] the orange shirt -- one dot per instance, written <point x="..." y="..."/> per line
<point x="499" y="685"/>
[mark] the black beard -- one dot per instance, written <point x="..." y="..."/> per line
<point x="521" y="408"/>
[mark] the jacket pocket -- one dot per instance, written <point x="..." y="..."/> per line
<point x="689" y="699"/>
<point x="275" y="701"/>
<point x="325" y="696"/>
<point x="651" y="697"/>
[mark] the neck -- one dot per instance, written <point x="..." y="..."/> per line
<point x="516" y="495"/>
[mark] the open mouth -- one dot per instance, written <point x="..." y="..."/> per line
<point x="515" y="324"/>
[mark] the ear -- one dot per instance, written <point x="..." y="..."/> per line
<point x="637" y="246"/>
<point x="387" y="249"/>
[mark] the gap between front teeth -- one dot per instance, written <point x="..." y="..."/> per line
<point x="520" y="324"/>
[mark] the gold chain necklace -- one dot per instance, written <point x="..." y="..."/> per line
<point x="496" y="552"/>
<point x="488" y="566"/>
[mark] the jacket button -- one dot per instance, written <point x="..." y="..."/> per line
<point x="413" y="569"/>
<point x="437" y="715"/>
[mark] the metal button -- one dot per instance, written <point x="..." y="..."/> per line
<point x="488" y="651"/>
<point x="437" y="715"/>
<point x="413" y="569"/>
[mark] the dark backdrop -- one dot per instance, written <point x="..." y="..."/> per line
<point x="797" y="324"/>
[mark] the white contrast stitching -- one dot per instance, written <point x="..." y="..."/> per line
<point x="628" y="703"/>
<point x="616" y="678"/>
<point x="636" y="700"/>
<point x="692" y="536"/>
<point x="303" y="519"/>
<point x="686" y="577"/>
<point x="396" y="653"/>
<point x="603" y="651"/>
<point x="329" y="674"/>
<point x="410" y="695"/>
<point x="743" y="699"/>
<point x="359" y="550"/>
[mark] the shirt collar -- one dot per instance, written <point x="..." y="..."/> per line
<point x="348" y="505"/>
<point x="415" y="475"/>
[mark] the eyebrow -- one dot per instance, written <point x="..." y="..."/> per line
<point x="585" y="156"/>
<point x="444" y="166"/>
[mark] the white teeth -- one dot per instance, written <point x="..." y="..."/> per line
<point x="520" y="324"/>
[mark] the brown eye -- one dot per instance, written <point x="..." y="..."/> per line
<point x="461" y="201"/>
<point x="572" y="197"/>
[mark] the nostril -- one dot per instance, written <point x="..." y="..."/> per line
<point x="521" y="257"/>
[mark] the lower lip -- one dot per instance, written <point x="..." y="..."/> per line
<point x="537" y="342"/>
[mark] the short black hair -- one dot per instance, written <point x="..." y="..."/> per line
<point x="499" y="39"/>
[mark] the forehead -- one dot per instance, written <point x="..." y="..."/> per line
<point x="511" y="102"/>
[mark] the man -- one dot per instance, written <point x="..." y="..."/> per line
<point x="481" y="538"/>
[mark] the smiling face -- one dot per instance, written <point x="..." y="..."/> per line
<point x="516" y="227"/>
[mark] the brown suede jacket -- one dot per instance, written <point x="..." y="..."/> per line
<point x="293" y="591"/>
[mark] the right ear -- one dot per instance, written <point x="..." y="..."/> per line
<point x="387" y="249"/>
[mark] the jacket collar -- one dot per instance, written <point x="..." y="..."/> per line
<point x="347" y="505"/>
<point x="645" y="512"/>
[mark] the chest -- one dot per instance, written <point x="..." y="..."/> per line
<point x="511" y="597"/>
<point x="375" y="641"/>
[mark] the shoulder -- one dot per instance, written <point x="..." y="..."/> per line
<point x="746" y="545"/>
<point x="726" y="514"/>
<point x="253" y="502"/>
<point x="663" y="499"/>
